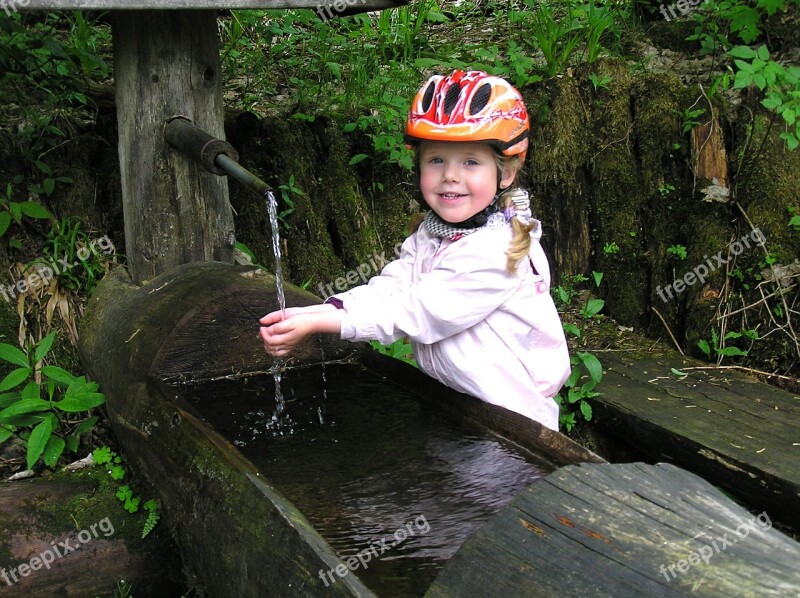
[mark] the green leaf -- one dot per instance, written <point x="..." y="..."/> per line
<point x="349" y="127"/>
<point x="771" y="6"/>
<point x="24" y="406"/>
<point x="72" y="443"/>
<point x="572" y="329"/>
<point x="59" y="375"/>
<point x="357" y="158"/>
<point x="574" y="374"/>
<point x="586" y="409"/>
<point x="81" y="402"/>
<point x="743" y="52"/>
<point x="132" y="505"/>
<point x="598" y="277"/>
<point x="15" y="210"/>
<point x="35" y="210"/>
<point x="15" y="378"/>
<point x="704" y="347"/>
<point x="31" y="391"/>
<point x="102" y="455"/>
<point x="731" y="352"/>
<point x="592" y="365"/>
<point x="762" y="53"/>
<point x="678" y="372"/>
<point x="55" y="446"/>
<point x="5" y="222"/>
<point x="38" y="440"/>
<point x="43" y="167"/>
<point x="117" y="472"/>
<point x="44" y="346"/>
<point x="592" y="307"/>
<point x="6" y="432"/>
<point x="9" y="398"/>
<point x="771" y="102"/>
<point x="12" y="354"/>
<point x="124" y="493"/>
<point x="86" y="425"/>
<point x="791" y="140"/>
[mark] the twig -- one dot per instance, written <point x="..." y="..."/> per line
<point x="743" y="368"/>
<point x="663" y="321"/>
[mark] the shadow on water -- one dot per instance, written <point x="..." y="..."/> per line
<point x="375" y="471"/>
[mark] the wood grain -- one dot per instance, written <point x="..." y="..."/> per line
<point x="614" y="530"/>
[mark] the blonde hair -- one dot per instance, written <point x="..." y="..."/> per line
<point x="520" y="244"/>
<point x="521" y="241"/>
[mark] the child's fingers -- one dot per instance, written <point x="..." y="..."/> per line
<point x="271" y="318"/>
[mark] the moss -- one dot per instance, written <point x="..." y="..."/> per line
<point x="336" y="225"/>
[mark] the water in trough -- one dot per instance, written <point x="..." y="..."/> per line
<point x="374" y="469"/>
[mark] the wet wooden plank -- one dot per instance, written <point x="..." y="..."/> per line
<point x="733" y="430"/>
<point x="615" y="530"/>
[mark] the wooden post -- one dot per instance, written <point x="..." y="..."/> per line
<point x="167" y="63"/>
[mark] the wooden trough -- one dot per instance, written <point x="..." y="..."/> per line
<point x="234" y="528"/>
<point x="240" y="535"/>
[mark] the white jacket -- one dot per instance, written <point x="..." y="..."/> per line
<point x="473" y="326"/>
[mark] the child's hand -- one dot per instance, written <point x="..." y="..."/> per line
<point x="281" y="336"/>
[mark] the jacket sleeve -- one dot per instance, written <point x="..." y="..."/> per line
<point x="469" y="282"/>
<point x="394" y="277"/>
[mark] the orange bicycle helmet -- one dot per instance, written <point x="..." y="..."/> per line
<point x="470" y="106"/>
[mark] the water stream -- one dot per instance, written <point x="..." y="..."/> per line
<point x="272" y="206"/>
<point x="379" y="462"/>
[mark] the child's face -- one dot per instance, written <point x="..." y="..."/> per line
<point x="458" y="180"/>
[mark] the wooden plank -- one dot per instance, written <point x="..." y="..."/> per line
<point x="620" y="528"/>
<point x="334" y="6"/>
<point x="733" y="430"/>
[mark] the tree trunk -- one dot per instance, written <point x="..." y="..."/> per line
<point x="166" y="64"/>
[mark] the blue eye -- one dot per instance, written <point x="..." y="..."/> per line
<point x="435" y="161"/>
<point x="472" y="162"/>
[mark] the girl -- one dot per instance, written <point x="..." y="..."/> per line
<point x="470" y="288"/>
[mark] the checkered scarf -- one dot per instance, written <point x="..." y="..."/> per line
<point x="520" y="208"/>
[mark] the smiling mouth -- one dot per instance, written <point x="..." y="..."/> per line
<point x="451" y="196"/>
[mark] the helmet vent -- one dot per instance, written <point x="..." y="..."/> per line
<point x="480" y="98"/>
<point x="428" y="97"/>
<point x="450" y="100"/>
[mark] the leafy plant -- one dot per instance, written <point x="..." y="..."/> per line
<point x="678" y="251"/>
<point x="690" y="121"/>
<point x="130" y="502"/>
<point x="586" y="373"/>
<point x="287" y="191"/>
<point x="152" y="517"/>
<point x="794" y="221"/>
<point x="599" y="82"/>
<point x="79" y="265"/>
<point x="46" y="425"/>
<point x="781" y="85"/>
<point x="666" y="188"/>
<point x="399" y="349"/>
<point x="720" y="350"/>
<point x="610" y="248"/>
<point x="564" y="293"/>
<point x="13" y="211"/>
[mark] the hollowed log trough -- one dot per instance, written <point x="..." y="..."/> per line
<point x="238" y="534"/>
